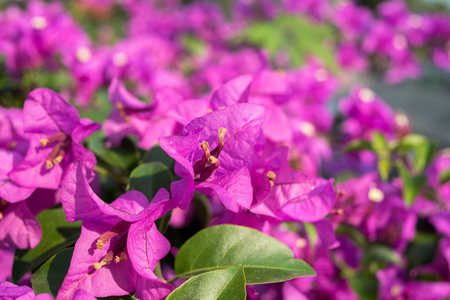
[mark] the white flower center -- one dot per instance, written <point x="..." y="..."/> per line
<point x="375" y="194"/>
<point x="120" y="59"/>
<point x="401" y="120"/>
<point x="366" y="95"/>
<point x="307" y="128"/>
<point x="321" y="75"/>
<point x="400" y="42"/>
<point x="301" y="243"/>
<point x="39" y="22"/>
<point x="415" y="21"/>
<point x="83" y="54"/>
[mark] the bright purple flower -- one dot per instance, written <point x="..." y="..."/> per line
<point x="352" y="20"/>
<point x="12" y="135"/>
<point x="132" y="116"/>
<point x="377" y="209"/>
<point x="394" y="284"/>
<point x="6" y="263"/>
<point x="119" y="243"/>
<point x="268" y="89"/>
<point x="350" y="57"/>
<point x="87" y="67"/>
<point x="56" y="133"/>
<point x="316" y="9"/>
<point x="9" y="189"/>
<point x="222" y="168"/>
<point x="31" y="38"/>
<point x="393" y="11"/>
<point x="287" y="194"/>
<point x="441" y="57"/>
<point x="11" y="291"/>
<point x="365" y="113"/>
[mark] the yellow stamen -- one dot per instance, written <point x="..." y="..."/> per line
<point x="99" y="265"/>
<point x="1" y="216"/>
<point x="106" y="260"/>
<point x="58" y="159"/>
<point x="48" y="164"/>
<point x="281" y="72"/>
<point x="222" y="131"/>
<point x="271" y="175"/>
<point x="209" y="111"/>
<point x="44" y="142"/>
<point x="212" y="160"/>
<point x="12" y="145"/>
<point x="99" y="244"/>
<point x="122" y="257"/>
<point x="204" y="145"/>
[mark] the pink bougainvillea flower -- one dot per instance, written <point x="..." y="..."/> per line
<point x="365" y="112"/>
<point x="119" y="243"/>
<point x="287" y="194"/>
<point x="12" y="135"/>
<point x="222" y="168"/>
<point x="147" y="121"/>
<point x="9" y="290"/>
<point x="56" y="133"/>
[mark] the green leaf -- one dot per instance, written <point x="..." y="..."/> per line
<point x="264" y="258"/>
<point x="124" y="157"/>
<point x="381" y="148"/>
<point x="444" y="177"/>
<point x="357" y="145"/>
<point x="382" y="254"/>
<point x="148" y="178"/>
<point x="57" y="234"/>
<point x="158" y="154"/>
<point x="220" y="284"/>
<point x="99" y="109"/>
<point x="296" y="36"/>
<point x="422" y="147"/>
<point x="422" y="249"/>
<point x="365" y="285"/>
<point x="50" y="276"/>
<point x="379" y="143"/>
<point x="411" y="184"/>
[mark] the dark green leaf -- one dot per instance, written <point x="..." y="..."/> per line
<point x="264" y="258"/>
<point x="148" y="178"/>
<point x="422" y="249"/>
<point x="50" y="276"/>
<point x="124" y="157"/>
<point x="365" y="285"/>
<point x="57" y="234"/>
<point x="99" y="109"/>
<point x="158" y="154"/>
<point x="411" y="184"/>
<point x="220" y="284"/>
<point x="382" y="254"/>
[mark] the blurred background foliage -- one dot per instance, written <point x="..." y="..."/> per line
<point x="291" y="38"/>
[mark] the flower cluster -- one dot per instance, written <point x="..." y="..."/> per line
<point x="199" y="129"/>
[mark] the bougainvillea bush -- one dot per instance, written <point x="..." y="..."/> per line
<point x="206" y="150"/>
